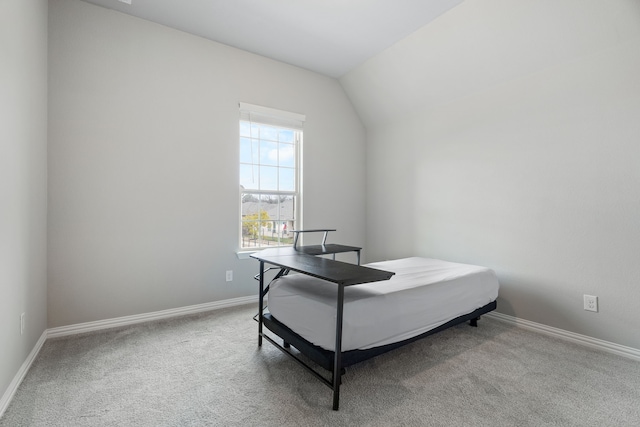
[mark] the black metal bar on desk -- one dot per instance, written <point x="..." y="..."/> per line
<point x="326" y="231"/>
<point x="337" y="361"/>
<point x="299" y="361"/>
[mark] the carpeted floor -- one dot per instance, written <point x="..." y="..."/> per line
<point x="207" y="370"/>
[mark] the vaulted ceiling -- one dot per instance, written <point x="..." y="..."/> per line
<point x="330" y="37"/>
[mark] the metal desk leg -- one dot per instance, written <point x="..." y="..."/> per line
<point x="337" y="361"/>
<point x="260" y="303"/>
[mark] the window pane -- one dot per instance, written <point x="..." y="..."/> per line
<point x="249" y="152"/>
<point x="287" y="155"/>
<point x="268" y="153"/>
<point x="268" y="133"/>
<point x="287" y="208"/>
<point x="286" y="135"/>
<point x="250" y="206"/>
<point x="249" y="177"/>
<point x="268" y="207"/>
<point x="254" y="219"/>
<point x="267" y="220"/>
<point x="245" y="129"/>
<point x="269" y="178"/>
<point x="287" y="219"/>
<point x="252" y="233"/>
<point x="287" y="179"/>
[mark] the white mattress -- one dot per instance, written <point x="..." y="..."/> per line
<point x="422" y="295"/>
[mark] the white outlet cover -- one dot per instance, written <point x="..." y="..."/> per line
<point x="591" y="303"/>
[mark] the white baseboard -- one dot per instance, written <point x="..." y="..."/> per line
<point x="13" y="387"/>
<point x="147" y="317"/>
<point x="606" y="346"/>
<point x="111" y="323"/>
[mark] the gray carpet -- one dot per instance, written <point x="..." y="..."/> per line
<point x="207" y="370"/>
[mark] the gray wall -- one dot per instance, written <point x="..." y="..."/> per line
<point x="23" y="180"/>
<point x="143" y="163"/>
<point x="507" y="134"/>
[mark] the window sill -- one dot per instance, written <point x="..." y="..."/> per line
<point x="244" y="254"/>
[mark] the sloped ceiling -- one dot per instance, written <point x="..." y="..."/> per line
<point x="330" y="37"/>
<point x="479" y="45"/>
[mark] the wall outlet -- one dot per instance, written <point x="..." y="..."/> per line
<point x="591" y="303"/>
<point x="229" y="275"/>
<point x="21" y="323"/>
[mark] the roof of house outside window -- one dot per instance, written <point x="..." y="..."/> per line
<point x="286" y="209"/>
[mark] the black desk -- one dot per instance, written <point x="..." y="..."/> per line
<point x="322" y="249"/>
<point x="302" y="259"/>
<point x="329" y="249"/>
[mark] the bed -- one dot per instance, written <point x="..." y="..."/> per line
<point x="364" y="311"/>
<point x="422" y="295"/>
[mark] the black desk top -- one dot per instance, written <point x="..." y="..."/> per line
<point x="303" y="261"/>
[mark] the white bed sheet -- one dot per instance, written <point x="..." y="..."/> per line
<point x="423" y="294"/>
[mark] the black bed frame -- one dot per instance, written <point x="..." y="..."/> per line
<point x="303" y="259"/>
<point x="325" y="358"/>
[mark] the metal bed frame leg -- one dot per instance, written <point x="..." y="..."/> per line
<point x="337" y="361"/>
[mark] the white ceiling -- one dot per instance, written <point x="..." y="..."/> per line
<point x="330" y="37"/>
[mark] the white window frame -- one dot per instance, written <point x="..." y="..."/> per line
<point x="260" y="115"/>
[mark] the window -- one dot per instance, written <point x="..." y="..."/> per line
<point x="270" y="195"/>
